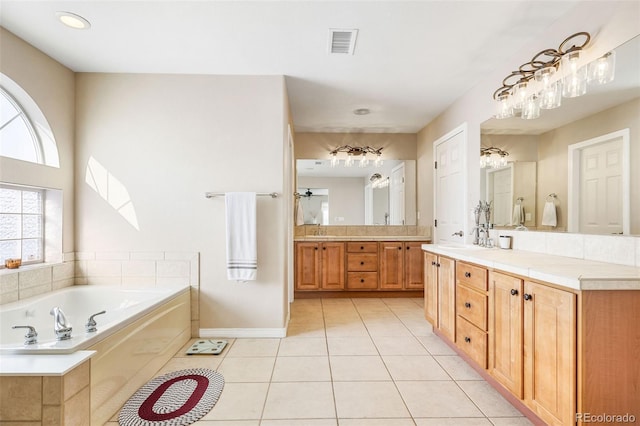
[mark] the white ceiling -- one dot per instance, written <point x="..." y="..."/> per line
<point x="412" y="59"/>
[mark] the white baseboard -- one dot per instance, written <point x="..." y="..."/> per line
<point x="243" y="332"/>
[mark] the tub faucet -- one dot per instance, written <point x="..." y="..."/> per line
<point x="91" y="326"/>
<point x="31" y="337"/>
<point x="60" y="325"/>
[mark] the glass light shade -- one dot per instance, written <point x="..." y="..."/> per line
<point x="378" y="162"/>
<point x="503" y="106"/>
<point x="334" y="159"/>
<point x="503" y="161"/>
<point x="603" y="69"/>
<point x="349" y="161"/>
<point x="550" y="95"/>
<point x="520" y="93"/>
<point x="574" y="76"/>
<point x="363" y="161"/>
<point x="531" y="108"/>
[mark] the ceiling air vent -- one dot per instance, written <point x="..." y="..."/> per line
<point x="342" y="41"/>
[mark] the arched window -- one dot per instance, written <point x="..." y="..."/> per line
<point x="25" y="133"/>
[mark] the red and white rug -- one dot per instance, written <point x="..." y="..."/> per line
<point x="175" y="399"/>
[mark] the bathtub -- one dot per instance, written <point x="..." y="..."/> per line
<point x="122" y="306"/>
<point x="141" y="330"/>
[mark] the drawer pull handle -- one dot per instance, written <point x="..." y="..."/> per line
<point x="527" y="296"/>
<point x="467" y="274"/>
<point x="362" y="263"/>
<point x="514" y="292"/>
<point x="467" y="339"/>
<point x="467" y="305"/>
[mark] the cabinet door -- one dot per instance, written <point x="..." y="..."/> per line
<point x="505" y="331"/>
<point x="413" y="266"/>
<point x="447" y="297"/>
<point x="431" y="288"/>
<point x="391" y="266"/>
<point x="550" y="353"/>
<point x="307" y="266"/>
<point x="333" y="273"/>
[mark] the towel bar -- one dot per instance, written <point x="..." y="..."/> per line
<point x="259" y="194"/>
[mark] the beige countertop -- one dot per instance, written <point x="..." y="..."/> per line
<point x="312" y="238"/>
<point x="572" y="273"/>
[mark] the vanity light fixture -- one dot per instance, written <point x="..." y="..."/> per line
<point x="378" y="181"/>
<point x="492" y="158"/>
<point x="551" y="75"/>
<point x="73" y="20"/>
<point x="354" y="151"/>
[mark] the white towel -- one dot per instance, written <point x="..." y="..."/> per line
<point x="242" y="252"/>
<point x="517" y="217"/>
<point x="549" y="217"/>
<point x="299" y="213"/>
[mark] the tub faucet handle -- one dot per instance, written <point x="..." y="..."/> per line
<point x="91" y="324"/>
<point x="31" y="337"/>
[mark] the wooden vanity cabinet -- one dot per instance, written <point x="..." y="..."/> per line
<point x="471" y="311"/>
<point x="320" y="266"/>
<point x="532" y="345"/>
<point x="362" y="266"/>
<point x="401" y="266"/>
<point x="440" y="294"/>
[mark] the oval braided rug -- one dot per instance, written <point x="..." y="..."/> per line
<point x="174" y="399"/>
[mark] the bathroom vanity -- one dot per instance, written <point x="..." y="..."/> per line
<point x="557" y="336"/>
<point x="343" y="266"/>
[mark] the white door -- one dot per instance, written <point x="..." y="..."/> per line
<point x="396" y="195"/>
<point x="449" y="189"/>
<point x="601" y="188"/>
<point x="599" y="185"/>
<point x="499" y="192"/>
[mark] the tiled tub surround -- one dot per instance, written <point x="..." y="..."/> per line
<point x="121" y="362"/>
<point x="122" y="269"/>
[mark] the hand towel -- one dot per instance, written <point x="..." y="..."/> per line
<point x="299" y="213"/>
<point x="549" y="217"/>
<point x="242" y="251"/>
<point x="517" y="217"/>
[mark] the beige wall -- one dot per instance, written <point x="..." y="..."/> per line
<point x="396" y="146"/>
<point x="169" y="139"/>
<point x="52" y="87"/>
<point x="346" y="198"/>
<point x="553" y="156"/>
<point x="611" y="23"/>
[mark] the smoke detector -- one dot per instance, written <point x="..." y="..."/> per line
<point x="342" y="41"/>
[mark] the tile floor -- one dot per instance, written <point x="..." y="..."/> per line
<point x="349" y="362"/>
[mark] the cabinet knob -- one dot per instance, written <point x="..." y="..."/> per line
<point x="408" y="247"/>
<point x="438" y="265"/>
<point x="467" y="305"/>
<point x="527" y="296"/>
<point x="467" y="339"/>
<point x="433" y="262"/>
<point x="361" y="280"/>
<point x="514" y="292"/>
<point x="399" y="248"/>
<point x="361" y="247"/>
<point x="467" y="274"/>
<point x="362" y="263"/>
<point x="324" y="248"/>
<point x="315" y="248"/>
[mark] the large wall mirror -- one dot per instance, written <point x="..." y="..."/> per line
<point x="550" y="142"/>
<point x="384" y="195"/>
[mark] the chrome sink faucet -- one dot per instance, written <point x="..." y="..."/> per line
<point x="61" y="326"/>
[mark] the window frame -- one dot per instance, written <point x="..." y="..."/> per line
<point x="41" y="238"/>
<point x="22" y="113"/>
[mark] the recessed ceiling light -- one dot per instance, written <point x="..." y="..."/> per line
<point x="361" y="111"/>
<point x="72" y="20"/>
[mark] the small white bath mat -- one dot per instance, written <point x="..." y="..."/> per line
<point x="175" y="399"/>
<point x="207" y="347"/>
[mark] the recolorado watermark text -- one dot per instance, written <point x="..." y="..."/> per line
<point x="605" y="418"/>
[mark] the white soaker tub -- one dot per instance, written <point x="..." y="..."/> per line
<point x="140" y="331"/>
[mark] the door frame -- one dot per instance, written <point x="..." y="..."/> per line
<point x="573" y="192"/>
<point x="463" y="129"/>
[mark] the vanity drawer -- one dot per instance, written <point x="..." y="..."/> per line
<point x="362" y="280"/>
<point x="362" y="247"/>
<point x="472" y="306"/>
<point x="362" y="262"/>
<point x="473" y="276"/>
<point x="472" y="341"/>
